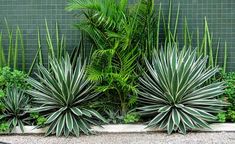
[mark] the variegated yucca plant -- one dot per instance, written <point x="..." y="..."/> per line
<point x="174" y="91"/>
<point x="62" y="95"/>
<point x="15" y="108"/>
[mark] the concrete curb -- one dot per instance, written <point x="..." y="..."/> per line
<point x="130" y="128"/>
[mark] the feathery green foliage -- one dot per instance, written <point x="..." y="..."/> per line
<point x="173" y="90"/>
<point x="120" y="35"/>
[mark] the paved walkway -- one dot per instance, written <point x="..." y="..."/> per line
<point x="149" y="138"/>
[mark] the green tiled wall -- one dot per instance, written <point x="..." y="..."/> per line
<point x="30" y="14"/>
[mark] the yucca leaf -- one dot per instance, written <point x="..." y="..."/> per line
<point x="76" y="129"/>
<point x="51" y="128"/>
<point x="186" y="119"/>
<point x="176" y="117"/>
<point x="60" y="125"/>
<point x="69" y="121"/>
<point x="182" y="128"/>
<point x="76" y="111"/>
<point x="97" y="115"/>
<point x="55" y="115"/>
<point x="164" y="108"/>
<point x="83" y="126"/>
<point x="170" y="124"/>
<point x="157" y="119"/>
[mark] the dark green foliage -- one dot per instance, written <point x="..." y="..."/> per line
<point x="40" y="120"/>
<point x="62" y="95"/>
<point x="15" y="106"/>
<point x="231" y="115"/>
<point x="173" y="91"/>
<point x="229" y="93"/>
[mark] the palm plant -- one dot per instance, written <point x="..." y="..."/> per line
<point x="62" y="96"/>
<point x="173" y="90"/>
<point x="15" y="104"/>
<point x="119" y="35"/>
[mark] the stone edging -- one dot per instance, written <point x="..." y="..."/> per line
<point x="130" y="128"/>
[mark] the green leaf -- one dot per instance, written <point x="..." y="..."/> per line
<point x="176" y="116"/>
<point x="157" y="119"/>
<point x="182" y="128"/>
<point x="54" y="115"/>
<point x="76" y="111"/>
<point x="60" y="125"/>
<point x="97" y="115"/>
<point x="69" y="121"/>
<point x="170" y="125"/>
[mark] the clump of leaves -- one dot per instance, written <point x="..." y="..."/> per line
<point x="229" y="93"/>
<point x="221" y="117"/>
<point x="4" y="127"/>
<point x="231" y="115"/>
<point x="113" y="117"/>
<point x="40" y="120"/>
<point x="131" y="118"/>
<point x="174" y="91"/>
<point x="62" y="95"/>
<point x="15" y="78"/>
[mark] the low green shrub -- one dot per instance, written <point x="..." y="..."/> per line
<point x="175" y="93"/>
<point x="229" y="96"/>
<point x="10" y="77"/>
